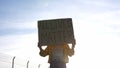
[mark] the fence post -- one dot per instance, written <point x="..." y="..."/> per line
<point x="13" y="62"/>
<point x="39" y="66"/>
<point x="27" y="63"/>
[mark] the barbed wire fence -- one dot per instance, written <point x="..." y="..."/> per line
<point x="7" y="61"/>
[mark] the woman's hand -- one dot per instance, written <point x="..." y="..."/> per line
<point x="73" y="44"/>
<point x="40" y="46"/>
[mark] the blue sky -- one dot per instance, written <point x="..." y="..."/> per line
<point x="96" y="27"/>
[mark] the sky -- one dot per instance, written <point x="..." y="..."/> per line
<point x="96" y="26"/>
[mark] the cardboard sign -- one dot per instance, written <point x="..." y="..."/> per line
<point x="55" y="31"/>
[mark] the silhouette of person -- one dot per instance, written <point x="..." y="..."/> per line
<point x="58" y="54"/>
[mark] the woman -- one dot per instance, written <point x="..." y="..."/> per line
<point x="58" y="54"/>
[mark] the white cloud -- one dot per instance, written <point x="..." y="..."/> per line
<point x="19" y="42"/>
<point x="19" y="25"/>
<point x="97" y="45"/>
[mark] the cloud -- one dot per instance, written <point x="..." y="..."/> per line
<point x="18" y="28"/>
<point x="97" y="40"/>
<point x="17" y="45"/>
<point x="109" y="19"/>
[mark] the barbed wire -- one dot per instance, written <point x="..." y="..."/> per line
<point x="7" y="61"/>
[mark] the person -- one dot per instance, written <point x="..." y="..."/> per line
<point x="58" y="54"/>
